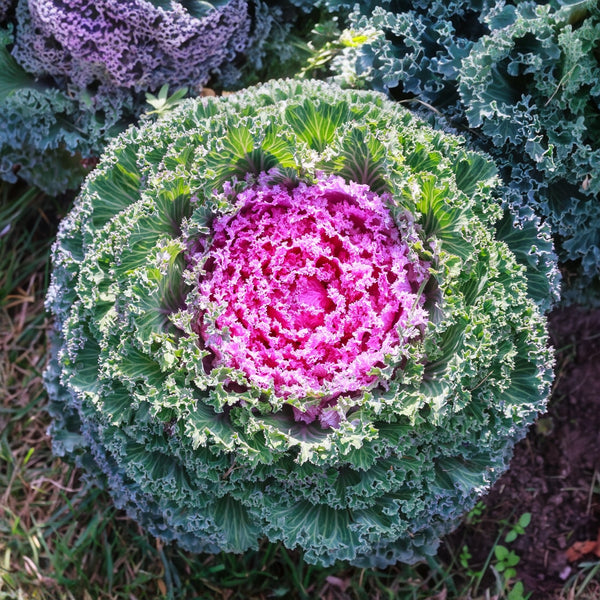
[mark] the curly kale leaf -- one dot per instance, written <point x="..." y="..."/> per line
<point x="134" y="45"/>
<point x="532" y="88"/>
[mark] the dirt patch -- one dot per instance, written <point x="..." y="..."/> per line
<point x="554" y="474"/>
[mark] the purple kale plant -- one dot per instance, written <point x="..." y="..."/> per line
<point x="132" y="43"/>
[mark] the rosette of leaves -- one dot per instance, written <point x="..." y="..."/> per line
<point x="75" y="74"/>
<point x="216" y="290"/>
<point x="532" y="89"/>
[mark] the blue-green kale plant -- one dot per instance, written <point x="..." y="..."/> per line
<point x="531" y="89"/>
<point x="409" y="49"/>
<point x="75" y="74"/>
<point x="295" y="313"/>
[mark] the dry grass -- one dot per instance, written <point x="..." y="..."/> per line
<point x="53" y="526"/>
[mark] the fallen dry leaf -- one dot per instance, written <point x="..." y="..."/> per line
<point x="443" y="595"/>
<point x="580" y="549"/>
<point x="162" y="587"/>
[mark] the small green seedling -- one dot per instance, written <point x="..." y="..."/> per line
<point x="163" y="103"/>
<point x="507" y="560"/>
<point x="518" y="528"/>
<point x="517" y="592"/>
<point x="475" y="514"/>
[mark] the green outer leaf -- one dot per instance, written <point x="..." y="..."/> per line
<point x="317" y="125"/>
<point x="12" y="76"/>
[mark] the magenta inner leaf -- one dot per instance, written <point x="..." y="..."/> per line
<point x="315" y="286"/>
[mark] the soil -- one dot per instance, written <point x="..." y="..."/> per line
<point x="555" y="471"/>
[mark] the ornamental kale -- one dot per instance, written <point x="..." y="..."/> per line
<point x="138" y="44"/>
<point x="74" y="74"/>
<point x="290" y="313"/>
<point x="532" y="88"/>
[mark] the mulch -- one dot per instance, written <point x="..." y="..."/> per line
<point x="555" y="471"/>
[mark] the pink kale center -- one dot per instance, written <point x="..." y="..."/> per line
<point x="315" y="287"/>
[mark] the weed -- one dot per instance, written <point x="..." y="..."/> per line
<point x="517" y="529"/>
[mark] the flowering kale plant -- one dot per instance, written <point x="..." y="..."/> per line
<point x="136" y="44"/>
<point x="289" y="313"/>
